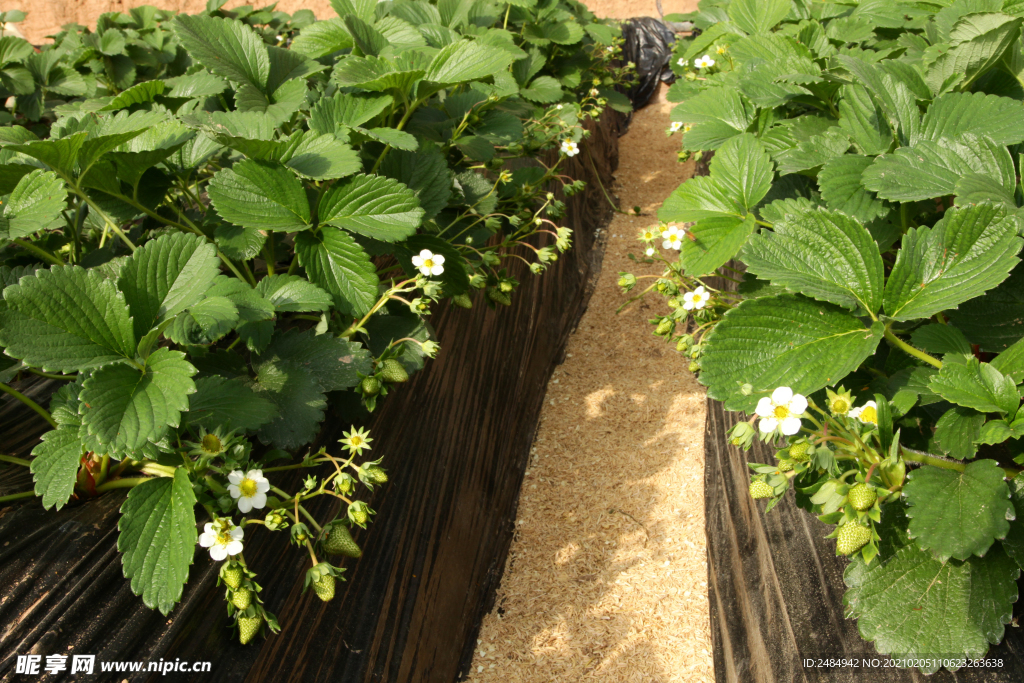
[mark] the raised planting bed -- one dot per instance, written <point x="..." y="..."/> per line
<point x="375" y="207"/>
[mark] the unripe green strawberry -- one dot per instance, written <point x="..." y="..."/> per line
<point x="248" y="627"/>
<point x="862" y="497"/>
<point x="392" y="370"/>
<point x="665" y="326"/>
<point x="798" y="451"/>
<point x="505" y="286"/>
<point x="462" y="301"/>
<point x="241" y="598"/>
<point x="340" y="542"/>
<point x="694" y="366"/>
<point x="499" y="297"/>
<point x="760" y="489"/>
<point x="324" y="588"/>
<point x="852" y="537"/>
<point x="375" y="474"/>
<point x="370" y="386"/>
<point x="785" y="465"/>
<point x="232" y="576"/>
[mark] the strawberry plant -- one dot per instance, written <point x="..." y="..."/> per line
<point x="864" y="199"/>
<point x="213" y="223"/>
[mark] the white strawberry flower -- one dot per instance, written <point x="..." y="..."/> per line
<point x="647" y="235"/>
<point x="697" y="299"/>
<point x="249" y="489"/>
<point x="429" y="263"/>
<point x="867" y="413"/>
<point x="594" y="92"/>
<point x="781" y="410"/>
<point x="673" y="239"/>
<point x="682" y="62"/>
<point x="558" y="106"/>
<point x="223" y="538"/>
<point x="610" y="48"/>
<point x="676" y="125"/>
<point x="650" y="251"/>
<point x="570" y="148"/>
<point x="704" y="62"/>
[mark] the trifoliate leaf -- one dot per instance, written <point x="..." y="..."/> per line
<point x="165" y="276"/>
<point x="55" y="466"/>
<point x="124" y="407"/>
<point x="977" y="385"/>
<point x="864" y="121"/>
<point x="322" y="38"/>
<point x="543" y="89"/>
<point x="825" y="255"/>
<point x="372" y="73"/>
<point x="978" y="42"/>
<point x="968" y="252"/>
<point x="34" y="204"/>
<point x="375" y="206"/>
<point x="323" y="157"/>
<point x="335" y="262"/>
<point x="958" y="514"/>
<point x="334" y="363"/>
<point x="957" y="430"/>
<point x="294" y="294"/>
<point x="840" y="183"/>
<point x="219" y="401"/>
<point x="257" y="194"/>
<point x="426" y="173"/>
<point x="783" y="341"/>
<point x="300" y="403"/>
<point x="66" y="319"/>
<point x="203" y="323"/>
<point x="912" y="605"/>
<point x="467" y="61"/>
<point x="158" y="538"/>
<point x="227" y="47"/>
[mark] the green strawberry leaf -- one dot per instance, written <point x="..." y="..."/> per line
<point x="158" y="539"/>
<point x="912" y="605"/>
<point x="958" y="514"/>
<point x="784" y="340"/>
<point x="55" y="466"/>
<point x="219" y="401"/>
<point x="840" y="183"/>
<point x="124" y="407"/>
<point x="294" y="294"/>
<point x="716" y="240"/>
<point x="35" y="203"/>
<point x="977" y="385"/>
<point x="165" y="276"/>
<point x="995" y="321"/>
<point x="466" y="61"/>
<point x="204" y="322"/>
<point x="426" y="173"/>
<point x="936" y="338"/>
<point x="970" y="251"/>
<point x="330" y="114"/>
<point x="991" y="116"/>
<point x="227" y="47"/>
<point x="375" y="206"/>
<point x="823" y="254"/>
<point x="299" y="399"/>
<point x="957" y="431"/>
<point x="322" y="38"/>
<point x="336" y="263"/>
<point x="262" y="195"/>
<point x="757" y="17"/>
<point x="333" y="362"/>
<point x="66" y="319"/>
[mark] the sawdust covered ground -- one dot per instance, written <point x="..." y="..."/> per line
<point x="607" y="575"/>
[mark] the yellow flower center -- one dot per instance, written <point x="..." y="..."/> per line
<point x="248" y="488"/>
<point x="428" y="263"/>
<point x="781" y="412"/>
<point x="355" y="440"/>
<point x="224" y="537"/>
<point x="869" y="414"/>
<point x="840" y="406"/>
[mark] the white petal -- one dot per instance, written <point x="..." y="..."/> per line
<point x="426" y="253"/>
<point x="259" y="501"/>
<point x="425" y="271"/>
<point x="791" y="425"/>
<point x="234" y="491"/>
<point x="206" y="540"/>
<point x="765" y="408"/>
<point x="855" y="412"/>
<point x="236" y="477"/>
<point x="438" y="259"/>
<point x="437" y="269"/>
<point x="797" y="404"/>
<point x="234" y="547"/>
<point x="218" y="552"/>
<point x="417" y="261"/>
<point x="244" y="505"/>
<point x="209" y="528"/>
<point x="768" y="424"/>
<point x="262" y="486"/>
<point x="782" y="396"/>
<point x="688" y="306"/>
<point x="870" y="404"/>
<point x="237" y="533"/>
<point x="667" y="244"/>
<point x="700" y="291"/>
